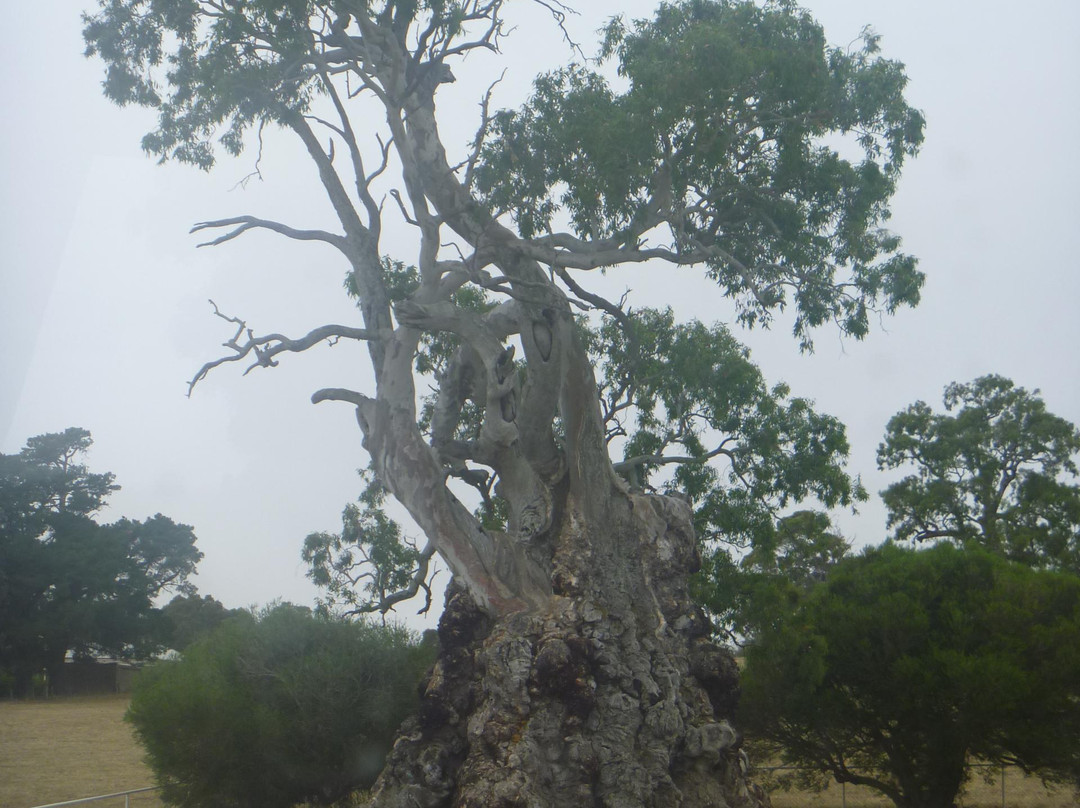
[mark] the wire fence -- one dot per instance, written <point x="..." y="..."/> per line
<point x="139" y="797"/>
<point x="990" y="786"/>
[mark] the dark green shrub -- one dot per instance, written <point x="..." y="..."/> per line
<point x="277" y="709"/>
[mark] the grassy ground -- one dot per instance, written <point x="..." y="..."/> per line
<point x="67" y="748"/>
<point x="981" y="792"/>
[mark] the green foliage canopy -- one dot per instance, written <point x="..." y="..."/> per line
<point x="728" y="132"/>
<point x="67" y="583"/>
<point x="764" y="587"/>
<point x="187" y="618"/>
<point x="369" y="566"/>
<point x="693" y="389"/>
<point x="905" y="666"/>
<point x="996" y="470"/>
<point x="276" y="709"/>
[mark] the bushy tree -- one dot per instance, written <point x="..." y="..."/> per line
<point x="186" y="618"/>
<point x="765" y="586"/>
<point x="736" y="140"/>
<point x="67" y="583"/>
<point x="996" y="470"/>
<point x="906" y="666"/>
<point x="277" y="708"/>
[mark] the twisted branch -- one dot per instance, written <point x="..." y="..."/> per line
<point x="265" y="348"/>
<point x="416" y="583"/>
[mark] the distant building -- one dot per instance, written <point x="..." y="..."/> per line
<point x="86" y="677"/>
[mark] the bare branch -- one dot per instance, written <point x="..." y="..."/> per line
<point x="244" y="223"/>
<point x="481" y="133"/>
<point x="418" y="580"/>
<point x="563" y="251"/>
<point x="663" y="460"/>
<point x="593" y="299"/>
<point x="256" y="172"/>
<point x="333" y="128"/>
<point x="341" y="394"/>
<point x="384" y="148"/>
<point x="559" y="12"/>
<point x="331" y="182"/>
<point x="396" y="194"/>
<point x="265" y="348"/>
<point x="363" y="188"/>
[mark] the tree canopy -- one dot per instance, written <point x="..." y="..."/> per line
<point x="720" y="137"/>
<point x="906" y="666"/>
<point x="189" y="617"/>
<point x="763" y="587"/>
<point x="67" y="583"/>
<point x="996" y="470"/>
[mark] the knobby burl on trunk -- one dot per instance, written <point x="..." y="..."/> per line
<point x="611" y="694"/>
<point x="574" y="669"/>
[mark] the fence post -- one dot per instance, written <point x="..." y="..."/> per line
<point x="1002" y="785"/>
<point x="843" y="795"/>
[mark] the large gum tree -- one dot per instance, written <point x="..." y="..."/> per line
<point x="574" y="667"/>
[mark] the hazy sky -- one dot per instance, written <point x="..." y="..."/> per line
<point x="103" y="294"/>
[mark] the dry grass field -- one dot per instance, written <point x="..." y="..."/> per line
<point x="981" y="792"/>
<point x="67" y="748"/>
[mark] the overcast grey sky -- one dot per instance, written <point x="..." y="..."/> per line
<point x="103" y="294"/>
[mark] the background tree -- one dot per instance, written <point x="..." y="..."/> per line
<point x="370" y="565"/>
<point x="67" y="583"/>
<point x="277" y="709"/>
<point x="995" y="471"/>
<point x="764" y="587"/>
<point x="187" y="618"/>
<point x="905" y="666"/>
<point x="571" y="604"/>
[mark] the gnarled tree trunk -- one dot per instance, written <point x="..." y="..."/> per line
<point x="611" y="695"/>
